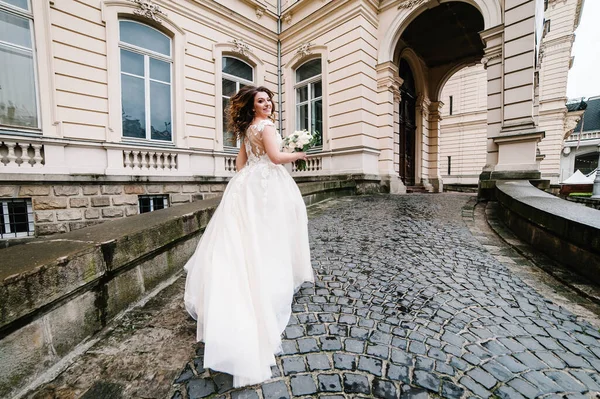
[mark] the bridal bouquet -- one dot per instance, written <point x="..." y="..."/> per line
<point x="299" y="141"/>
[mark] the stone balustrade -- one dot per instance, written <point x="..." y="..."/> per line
<point x="21" y="154"/>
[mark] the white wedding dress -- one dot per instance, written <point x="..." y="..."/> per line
<point x="251" y="258"/>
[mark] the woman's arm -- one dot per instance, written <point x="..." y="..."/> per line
<point x="242" y="158"/>
<point x="272" y="148"/>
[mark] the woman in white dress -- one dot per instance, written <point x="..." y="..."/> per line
<point x="254" y="253"/>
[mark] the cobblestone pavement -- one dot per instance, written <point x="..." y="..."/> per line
<point x="408" y="303"/>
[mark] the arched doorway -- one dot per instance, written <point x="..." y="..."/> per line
<point x="408" y="124"/>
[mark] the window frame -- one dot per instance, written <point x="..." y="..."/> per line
<point x="152" y="197"/>
<point x="30" y="220"/>
<point x="26" y="14"/>
<point x="309" y="82"/>
<point x="237" y="80"/>
<point x="147" y="54"/>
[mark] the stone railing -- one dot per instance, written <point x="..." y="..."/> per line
<point x="149" y="160"/>
<point x="19" y="154"/>
<point x="229" y="163"/>
<point x="584" y="136"/>
<point x="313" y="164"/>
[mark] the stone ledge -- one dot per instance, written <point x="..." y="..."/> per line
<point x="565" y="231"/>
<point x="58" y="291"/>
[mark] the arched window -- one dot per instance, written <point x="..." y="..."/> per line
<point x="146" y="75"/>
<point x="18" y="93"/>
<point x="309" y="100"/>
<point x="236" y="74"/>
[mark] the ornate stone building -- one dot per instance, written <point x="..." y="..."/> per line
<point x="113" y="107"/>
<point x="464" y="124"/>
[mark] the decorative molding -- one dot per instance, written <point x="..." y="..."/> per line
<point x="288" y="18"/>
<point x="241" y="47"/>
<point x="411" y="3"/>
<point x="304" y="49"/>
<point x="260" y="12"/>
<point x="488" y="57"/>
<point x="148" y="9"/>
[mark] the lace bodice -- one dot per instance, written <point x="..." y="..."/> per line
<point x="255" y="148"/>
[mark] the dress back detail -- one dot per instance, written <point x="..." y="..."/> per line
<point x="255" y="148"/>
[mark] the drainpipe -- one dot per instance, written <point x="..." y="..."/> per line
<point x="280" y="122"/>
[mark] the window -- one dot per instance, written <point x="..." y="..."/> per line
<point x="16" y="218"/>
<point x="146" y="74"/>
<point x="236" y="74"/>
<point x="309" y="100"/>
<point x="451" y="105"/>
<point x="149" y="203"/>
<point x="586" y="163"/>
<point x="18" y="98"/>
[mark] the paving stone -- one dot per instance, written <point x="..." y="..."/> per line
<point x="245" y="394"/>
<point x="378" y="351"/>
<point x="424" y="363"/>
<point x="360" y="333"/>
<point x="398" y="373"/>
<point x="224" y="382"/>
<point x="292" y="332"/>
<point x="326" y="318"/>
<point x="524" y="387"/>
<point x="498" y="371"/>
<point x="354" y="345"/>
<point x="482" y="377"/>
<point x="476" y="388"/>
<point x="185" y="375"/>
<point x="384" y="389"/>
<point x="329" y="383"/>
<point x="591" y="380"/>
<point x="339" y="330"/>
<point x="427" y="380"/>
<point x="506" y="392"/>
<point x="302" y="385"/>
<point x="200" y="388"/>
<point x="344" y="362"/>
<point x="318" y="362"/>
<point x="306" y="345"/>
<point x="330" y="343"/>
<point x="451" y="390"/>
<point x="356" y="383"/>
<point x="370" y="365"/>
<point x="293" y="365"/>
<point x="315" y="329"/>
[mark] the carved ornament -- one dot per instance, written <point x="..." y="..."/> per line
<point x="148" y="9"/>
<point x="411" y="3"/>
<point x="241" y="47"/>
<point x="304" y="49"/>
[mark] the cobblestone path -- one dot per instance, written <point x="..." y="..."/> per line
<point x="407" y="303"/>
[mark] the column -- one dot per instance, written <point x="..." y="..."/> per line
<point x="433" y="120"/>
<point x="388" y="100"/>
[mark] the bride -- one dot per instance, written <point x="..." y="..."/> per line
<point x="254" y="252"/>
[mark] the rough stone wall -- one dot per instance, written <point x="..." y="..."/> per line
<point x="59" y="208"/>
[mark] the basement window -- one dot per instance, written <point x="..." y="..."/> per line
<point x="150" y="203"/>
<point x="16" y="218"/>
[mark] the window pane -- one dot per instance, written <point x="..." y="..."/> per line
<point x="302" y="112"/>
<point x="132" y="63"/>
<point x="308" y="70"/>
<point x="160" y="70"/>
<point x="238" y="68"/>
<point x="302" y="94"/>
<point x="18" y="3"/>
<point x="227" y="136"/>
<point x="316" y="89"/>
<point x="587" y="163"/>
<point x="18" y="104"/>
<point x="160" y="111"/>
<point x="144" y="36"/>
<point x="15" y="30"/>
<point x="144" y="204"/>
<point x="317" y="120"/>
<point x="158" y="202"/>
<point x="18" y="220"/>
<point x="133" y="108"/>
<point x="228" y="88"/>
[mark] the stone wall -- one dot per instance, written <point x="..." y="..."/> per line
<point x="64" y="207"/>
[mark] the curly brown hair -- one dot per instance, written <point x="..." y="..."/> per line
<point x="241" y="109"/>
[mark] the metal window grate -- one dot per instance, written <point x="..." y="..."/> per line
<point x="149" y="203"/>
<point x="16" y="218"/>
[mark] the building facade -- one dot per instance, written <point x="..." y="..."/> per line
<point x="462" y="149"/>
<point x="109" y="108"/>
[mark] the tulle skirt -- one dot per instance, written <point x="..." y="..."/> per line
<point x="252" y="257"/>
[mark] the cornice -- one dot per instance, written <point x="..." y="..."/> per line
<point x="324" y="12"/>
<point x="221" y="11"/>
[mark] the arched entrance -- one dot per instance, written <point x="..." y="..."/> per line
<point x="408" y="124"/>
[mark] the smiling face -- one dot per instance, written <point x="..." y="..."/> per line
<point x="263" y="105"/>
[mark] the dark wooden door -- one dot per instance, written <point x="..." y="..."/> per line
<point x="408" y="126"/>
